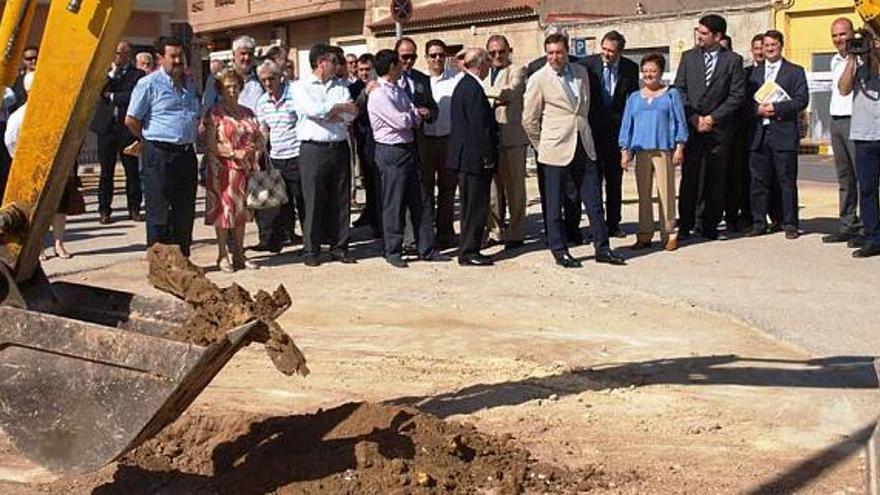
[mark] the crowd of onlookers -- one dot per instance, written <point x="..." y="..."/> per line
<point x="415" y="140"/>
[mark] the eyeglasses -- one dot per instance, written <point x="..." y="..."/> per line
<point x="497" y="52"/>
<point x="437" y="55"/>
<point x="409" y="56"/>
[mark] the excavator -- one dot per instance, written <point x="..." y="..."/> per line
<point x="85" y="374"/>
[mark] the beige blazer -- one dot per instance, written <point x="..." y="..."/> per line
<point x="511" y="82"/>
<point x="551" y="122"/>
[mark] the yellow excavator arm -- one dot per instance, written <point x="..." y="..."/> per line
<point x="869" y="10"/>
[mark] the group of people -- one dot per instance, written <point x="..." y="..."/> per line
<point x="466" y="126"/>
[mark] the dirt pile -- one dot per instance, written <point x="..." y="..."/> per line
<point x="358" y="448"/>
<point x="216" y="310"/>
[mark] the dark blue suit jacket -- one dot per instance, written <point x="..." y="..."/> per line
<point x="473" y="142"/>
<point x="782" y="133"/>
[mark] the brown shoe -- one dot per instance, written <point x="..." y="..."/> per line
<point x="671" y="244"/>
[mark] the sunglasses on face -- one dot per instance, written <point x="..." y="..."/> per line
<point x="30" y="59"/>
<point x="495" y="53"/>
<point x="409" y="57"/>
<point x="437" y="55"/>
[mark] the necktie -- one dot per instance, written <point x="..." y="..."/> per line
<point x="607" y="88"/>
<point x="564" y="78"/>
<point x="710" y="66"/>
<point x="770" y="73"/>
<point x="406" y="86"/>
<point x="494" y="75"/>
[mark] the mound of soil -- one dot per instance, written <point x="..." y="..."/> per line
<point x="217" y="311"/>
<point x="357" y="448"/>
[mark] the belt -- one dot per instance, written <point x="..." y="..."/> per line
<point x="840" y="117"/>
<point x="436" y="137"/>
<point x="327" y="144"/>
<point x="397" y="145"/>
<point x="172" y="146"/>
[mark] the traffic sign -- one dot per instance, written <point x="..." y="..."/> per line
<point x="401" y="10"/>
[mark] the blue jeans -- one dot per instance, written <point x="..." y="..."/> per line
<point x="868" y="170"/>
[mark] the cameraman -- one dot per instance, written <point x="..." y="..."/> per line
<point x="861" y="76"/>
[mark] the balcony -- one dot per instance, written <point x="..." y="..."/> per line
<point x="215" y="15"/>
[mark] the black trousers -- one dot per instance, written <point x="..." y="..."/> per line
<point x="110" y="148"/>
<point x="5" y="162"/>
<point x="583" y="173"/>
<point x="737" y="196"/>
<point x="372" y="183"/>
<point x="769" y="165"/>
<point x="277" y="224"/>
<point x="611" y="174"/>
<point x="402" y="192"/>
<point x="325" y="170"/>
<point x="706" y="151"/>
<point x="571" y="208"/>
<point x="475" y="191"/>
<point x="170" y="176"/>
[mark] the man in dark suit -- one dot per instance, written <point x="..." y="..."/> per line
<point x="417" y="85"/>
<point x="612" y="79"/>
<point x="473" y="153"/>
<point x="775" y="141"/>
<point x="713" y="88"/>
<point x="113" y="137"/>
<point x="363" y="135"/>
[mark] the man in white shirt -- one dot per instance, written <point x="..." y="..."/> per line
<point x="13" y="124"/>
<point x="433" y="145"/>
<point x="844" y="150"/>
<point x="243" y="62"/>
<point x="324" y="108"/>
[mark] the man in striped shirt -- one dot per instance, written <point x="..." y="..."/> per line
<point x="278" y="121"/>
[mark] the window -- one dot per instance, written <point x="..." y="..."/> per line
<point x="822" y="61"/>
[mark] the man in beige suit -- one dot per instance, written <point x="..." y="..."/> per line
<point x="555" y="119"/>
<point x="505" y="86"/>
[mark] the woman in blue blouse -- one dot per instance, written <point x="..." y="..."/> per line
<point x="653" y="133"/>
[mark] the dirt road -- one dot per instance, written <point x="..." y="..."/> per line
<point x="596" y="370"/>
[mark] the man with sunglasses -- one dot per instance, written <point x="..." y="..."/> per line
<point x="28" y="64"/>
<point x="434" y="142"/>
<point x="504" y="87"/>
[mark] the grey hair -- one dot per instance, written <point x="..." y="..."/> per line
<point x="246" y="42"/>
<point x="271" y="66"/>
<point x="475" y="57"/>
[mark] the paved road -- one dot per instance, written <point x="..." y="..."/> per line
<point x="813" y="295"/>
<point x="817" y="168"/>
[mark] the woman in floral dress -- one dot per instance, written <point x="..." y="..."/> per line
<point x="235" y="144"/>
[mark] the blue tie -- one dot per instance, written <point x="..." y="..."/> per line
<point x="606" y="93"/>
<point x="406" y="86"/>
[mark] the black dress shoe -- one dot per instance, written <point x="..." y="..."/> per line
<point x="435" y="256"/>
<point x="342" y="257"/>
<point x="856" y="242"/>
<point x="610" y="258"/>
<point x="791" y="233"/>
<point x="312" y="260"/>
<point x="397" y="261"/>
<point x="266" y="248"/>
<point x="362" y="221"/>
<point x="709" y="234"/>
<point x="684" y="234"/>
<point x="733" y="226"/>
<point x="105" y="218"/>
<point x="837" y="237"/>
<point x="775" y="227"/>
<point x="866" y="252"/>
<point x="135" y="217"/>
<point x="566" y="260"/>
<point x="475" y="260"/>
<point x="410" y="250"/>
<point x="616" y="232"/>
<point x="755" y="231"/>
<point x="513" y="244"/>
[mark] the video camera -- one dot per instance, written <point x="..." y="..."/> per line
<point x="860" y="43"/>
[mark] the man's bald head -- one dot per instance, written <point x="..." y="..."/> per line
<point x="123" y="54"/>
<point x="842" y="29"/>
<point x="476" y="61"/>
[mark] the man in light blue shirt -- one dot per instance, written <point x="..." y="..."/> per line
<point x="324" y="108"/>
<point x="163" y="114"/>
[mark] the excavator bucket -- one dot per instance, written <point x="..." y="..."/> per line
<point x="83" y="385"/>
